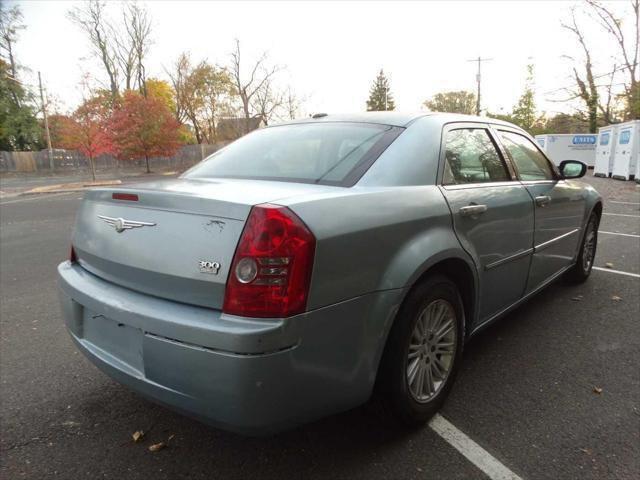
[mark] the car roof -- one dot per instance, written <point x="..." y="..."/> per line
<point x="397" y="119"/>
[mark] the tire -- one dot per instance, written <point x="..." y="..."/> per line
<point x="405" y="400"/>
<point x="584" y="263"/>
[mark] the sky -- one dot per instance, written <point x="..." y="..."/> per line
<point x="332" y="51"/>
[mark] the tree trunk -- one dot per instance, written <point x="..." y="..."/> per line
<point x="146" y="158"/>
<point x="93" y="169"/>
<point x="245" y="107"/>
<point x="593" y="117"/>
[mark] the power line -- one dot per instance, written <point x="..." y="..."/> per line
<point x="479" y="79"/>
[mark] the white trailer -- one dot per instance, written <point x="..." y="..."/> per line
<point x="542" y="142"/>
<point x="626" y="157"/>
<point x="605" y="151"/>
<point x="572" y="146"/>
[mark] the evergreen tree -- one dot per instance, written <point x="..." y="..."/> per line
<point x="380" y="98"/>
<point x="524" y="112"/>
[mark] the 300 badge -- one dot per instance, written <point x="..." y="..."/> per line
<point x="209" y="267"/>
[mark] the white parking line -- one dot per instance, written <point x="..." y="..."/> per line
<point x="624" y="203"/>
<point x="622" y="215"/>
<point x="619" y="272"/>
<point x="471" y="450"/>
<point x="621" y="234"/>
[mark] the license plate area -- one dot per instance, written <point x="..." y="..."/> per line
<point x="118" y="340"/>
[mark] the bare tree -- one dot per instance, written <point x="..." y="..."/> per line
<point x="587" y="90"/>
<point x="10" y="25"/>
<point x="601" y="100"/>
<point x="138" y="27"/>
<point x="121" y="47"/>
<point x="247" y="88"/>
<point x="267" y="101"/>
<point x="292" y="104"/>
<point x="178" y="76"/>
<point x="90" y="17"/>
<point x="628" y="49"/>
<point x="125" y="53"/>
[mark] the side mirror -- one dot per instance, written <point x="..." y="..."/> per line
<point x="573" y="169"/>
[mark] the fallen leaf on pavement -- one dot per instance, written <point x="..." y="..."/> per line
<point x="157" y="446"/>
<point x="586" y="450"/>
<point x="597" y="390"/>
<point x="137" y="435"/>
<point x="616" y="298"/>
<point x="608" y="265"/>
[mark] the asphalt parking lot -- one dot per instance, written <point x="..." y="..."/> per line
<point x="527" y="393"/>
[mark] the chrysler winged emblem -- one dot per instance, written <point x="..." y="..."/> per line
<point x="120" y="224"/>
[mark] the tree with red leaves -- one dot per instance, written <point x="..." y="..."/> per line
<point x="144" y="127"/>
<point x="86" y="131"/>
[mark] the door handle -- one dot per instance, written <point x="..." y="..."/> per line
<point x="472" y="210"/>
<point x="543" y="200"/>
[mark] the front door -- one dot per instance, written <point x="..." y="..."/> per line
<point x="559" y="208"/>
<point x="492" y="214"/>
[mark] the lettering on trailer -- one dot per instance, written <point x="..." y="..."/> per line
<point x="625" y="137"/>
<point x="604" y="138"/>
<point x="584" y="140"/>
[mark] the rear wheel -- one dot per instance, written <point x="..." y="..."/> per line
<point x="423" y="351"/>
<point x="582" y="269"/>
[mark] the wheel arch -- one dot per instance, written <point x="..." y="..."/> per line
<point x="459" y="268"/>
<point x="597" y="209"/>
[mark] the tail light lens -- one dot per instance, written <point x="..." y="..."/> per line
<point x="72" y="255"/>
<point x="271" y="269"/>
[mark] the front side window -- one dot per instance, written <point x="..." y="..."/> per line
<point x="324" y="153"/>
<point x="471" y="157"/>
<point x="529" y="162"/>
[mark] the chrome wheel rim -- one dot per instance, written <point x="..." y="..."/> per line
<point x="589" y="247"/>
<point x="432" y="350"/>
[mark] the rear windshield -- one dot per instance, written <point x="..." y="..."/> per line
<point x="324" y="153"/>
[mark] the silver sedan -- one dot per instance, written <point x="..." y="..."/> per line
<point x="311" y="266"/>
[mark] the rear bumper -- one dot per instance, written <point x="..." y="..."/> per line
<point x="253" y="376"/>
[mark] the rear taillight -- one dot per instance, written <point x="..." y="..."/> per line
<point x="271" y="269"/>
<point x="72" y="255"/>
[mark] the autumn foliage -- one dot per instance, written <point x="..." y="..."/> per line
<point x="143" y="127"/>
<point x="86" y="130"/>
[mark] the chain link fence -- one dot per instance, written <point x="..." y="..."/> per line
<point x="73" y="161"/>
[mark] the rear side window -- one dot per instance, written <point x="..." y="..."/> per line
<point x="471" y="157"/>
<point x="324" y="153"/>
<point x="530" y="163"/>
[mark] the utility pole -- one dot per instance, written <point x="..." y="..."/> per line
<point x="46" y="124"/>
<point x="479" y="79"/>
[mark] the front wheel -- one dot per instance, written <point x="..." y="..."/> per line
<point x="423" y="351"/>
<point x="584" y="264"/>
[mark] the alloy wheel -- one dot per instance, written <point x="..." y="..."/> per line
<point x="589" y="247"/>
<point x="432" y="350"/>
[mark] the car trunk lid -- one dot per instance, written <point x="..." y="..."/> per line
<point x="173" y="239"/>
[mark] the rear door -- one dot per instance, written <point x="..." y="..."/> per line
<point x="559" y="207"/>
<point x="492" y="213"/>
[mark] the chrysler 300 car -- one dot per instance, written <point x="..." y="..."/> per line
<point x="308" y="266"/>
